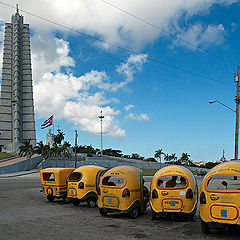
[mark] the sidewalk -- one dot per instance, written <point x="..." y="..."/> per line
<point x="17" y="174"/>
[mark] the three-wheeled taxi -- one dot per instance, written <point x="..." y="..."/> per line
<point x="83" y="183"/>
<point x="121" y="189"/>
<point x="54" y="182"/>
<point x="173" y="191"/>
<point x="220" y="196"/>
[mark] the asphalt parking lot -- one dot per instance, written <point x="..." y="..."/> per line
<point x="26" y="214"/>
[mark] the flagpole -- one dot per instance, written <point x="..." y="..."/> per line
<point x="53" y="127"/>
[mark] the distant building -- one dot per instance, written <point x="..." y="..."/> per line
<point x="16" y="101"/>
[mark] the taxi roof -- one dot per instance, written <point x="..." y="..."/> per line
<point x="225" y="168"/>
<point x="89" y="168"/>
<point x="173" y="170"/>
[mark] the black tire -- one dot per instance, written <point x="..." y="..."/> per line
<point x="154" y="215"/>
<point x="75" y="201"/>
<point x="103" y="212"/>
<point x="170" y="215"/>
<point x="134" y="213"/>
<point x="192" y="216"/>
<point x="205" y="227"/>
<point x="66" y="200"/>
<point x="91" y="202"/>
<point x="50" y="198"/>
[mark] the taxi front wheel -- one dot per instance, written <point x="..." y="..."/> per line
<point x="134" y="213"/>
<point x="50" y="198"/>
<point x="154" y="215"/>
<point x="205" y="227"/>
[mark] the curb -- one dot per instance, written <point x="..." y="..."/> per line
<point x="19" y="174"/>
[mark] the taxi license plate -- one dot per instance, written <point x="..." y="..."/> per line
<point x="223" y="213"/>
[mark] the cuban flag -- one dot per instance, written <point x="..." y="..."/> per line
<point x="47" y="122"/>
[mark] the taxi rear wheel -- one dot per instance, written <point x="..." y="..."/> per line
<point x="205" y="227"/>
<point x="91" y="202"/>
<point x="103" y="212"/>
<point x="134" y="213"/>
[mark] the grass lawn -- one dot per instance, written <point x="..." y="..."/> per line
<point x="149" y="172"/>
<point x="5" y="155"/>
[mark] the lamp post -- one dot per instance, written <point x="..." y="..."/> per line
<point x="237" y="100"/>
<point x="76" y="136"/>
<point x="101" y="119"/>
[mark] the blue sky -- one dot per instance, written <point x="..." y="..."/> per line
<point x="147" y="105"/>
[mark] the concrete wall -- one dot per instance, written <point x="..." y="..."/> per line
<point x="21" y="166"/>
<point x="106" y="162"/>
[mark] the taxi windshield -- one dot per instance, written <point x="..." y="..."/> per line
<point x="48" y="177"/>
<point x="224" y="182"/>
<point x="113" y="181"/>
<point x="75" y="177"/>
<point x="172" y="182"/>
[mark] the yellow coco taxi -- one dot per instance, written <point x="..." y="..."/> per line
<point x="173" y="191"/>
<point x="121" y="189"/>
<point x="83" y="183"/>
<point x="54" y="182"/>
<point x="220" y="196"/>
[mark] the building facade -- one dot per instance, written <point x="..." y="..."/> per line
<point x="17" y="121"/>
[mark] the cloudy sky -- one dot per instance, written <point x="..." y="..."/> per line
<point x="150" y="66"/>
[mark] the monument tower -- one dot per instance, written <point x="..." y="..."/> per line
<point x="17" y="121"/>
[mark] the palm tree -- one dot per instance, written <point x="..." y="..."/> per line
<point x="64" y="149"/>
<point x="158" y="154"/>
<point x="26" y="150"/>
<point x="167" y="157"/>
<point x="54" y="150"/>
<point x="173" y="157"/>
<point x="185" y="158"/>
<point x="42" y="149"/>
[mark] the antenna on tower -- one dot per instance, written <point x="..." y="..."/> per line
<point x="17" y="8"/>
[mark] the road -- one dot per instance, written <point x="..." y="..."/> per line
<point x="26" y="214"/>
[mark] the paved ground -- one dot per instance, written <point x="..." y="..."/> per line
<point x="25" y="214"/>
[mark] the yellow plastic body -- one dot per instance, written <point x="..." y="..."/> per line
<point x="174" y="199"/>
<point x="90" y="175"/>
<point x="58" y="186"/>
<point x="222" y="206"/>
<point x="111" y="196"/>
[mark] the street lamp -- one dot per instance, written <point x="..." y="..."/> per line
<point x="237" y="100"/>
<point x="101" y="119"/>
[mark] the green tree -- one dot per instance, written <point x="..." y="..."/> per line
<point x="26" y="150"/>
<point x="64" y="149"/>
<point x="167" y="158"/>
<point x="112" y="152"/>
<point x="150" y="160"/>
<point x="173" y="158"/>
<point x="54" y="150"/>
<point x="158" y="154"/>
<point x="185" y="159"/>
<point x="59" y="137"/>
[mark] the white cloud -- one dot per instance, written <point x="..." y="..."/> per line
<point x="99" y="19"/>
<point x="134" y="64"/>
<point x="202" y="36"/>
<point x="49" y="54"/>
<point x="128" y="107"/>
<point x="138" y="117"/>
<point x="67" y="96"/>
